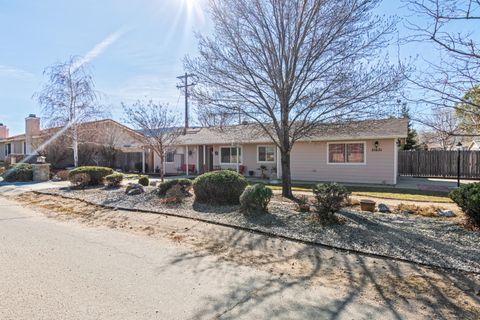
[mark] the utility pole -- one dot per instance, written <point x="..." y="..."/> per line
<point x="185" y="86"/>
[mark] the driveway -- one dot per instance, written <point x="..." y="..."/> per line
<point x="51" y="269"/>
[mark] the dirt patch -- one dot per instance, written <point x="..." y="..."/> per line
<point x="404" y="286"/>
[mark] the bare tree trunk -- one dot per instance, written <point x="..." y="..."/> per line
<point x="162" y="173"/>
<point x="75" y="145"/>
<point x="286" y="175"/>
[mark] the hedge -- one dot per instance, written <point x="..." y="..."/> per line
<point x="96" y="174"/>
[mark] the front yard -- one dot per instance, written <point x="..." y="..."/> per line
<point x="440" y="242"/>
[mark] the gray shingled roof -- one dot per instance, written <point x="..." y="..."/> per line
<point x="252" y="133"/>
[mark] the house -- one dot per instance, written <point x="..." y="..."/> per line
<point x="474" y="145"/>
<point x="356" y="152"/>
<point x="103" y="142"/>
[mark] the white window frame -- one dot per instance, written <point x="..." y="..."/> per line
<point x="173" y="157"/>
<point x="6" y="147"/>
<point x="229" y="163"/>
<point x="267" y="146"/>
<point x="348" y="163"/>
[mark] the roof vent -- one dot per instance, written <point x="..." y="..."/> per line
<point x="32" y="115"/>
<point x="1" y="124"/>
<point x="244" y="122"/>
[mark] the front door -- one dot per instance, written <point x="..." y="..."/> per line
<point x="210" y="158"/>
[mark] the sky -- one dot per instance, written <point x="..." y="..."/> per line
<point x="134" y="49"/>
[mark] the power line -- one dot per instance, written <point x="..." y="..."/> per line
<point x="185" y="86"/>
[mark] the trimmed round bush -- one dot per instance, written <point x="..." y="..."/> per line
<point x="467" y="197"/>
<point x="21" y="172"/>
<point x="96" y="174"/>
<point x="219" y="187"/>
<point x="255" y="198"/>
<point x="144" y="181"/>
<point x="114" y="180"/>
<point x="330" y="198"/>
<point x="185" y="185"/>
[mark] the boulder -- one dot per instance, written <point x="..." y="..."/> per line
<point x="445" y="213"/>
<point x="153" y="183"/>
<point x="382" y="207"/>
<point x="134" y="189"/>
<point x="405" y="213"/>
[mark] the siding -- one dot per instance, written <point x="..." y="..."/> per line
<point x="309" y="163"/>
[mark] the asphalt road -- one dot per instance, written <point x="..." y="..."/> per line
<point x="65" y="270"/>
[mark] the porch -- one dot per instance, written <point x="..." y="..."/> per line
<point x="250" y="160"/>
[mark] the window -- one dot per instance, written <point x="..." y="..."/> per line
<point x="170" y="156"/>
<point x="24" y="148"/>
<point x="266" y="154"/>
<point x="228" y="155"/>
<point x="8" y="149"/>
<point x="346" y="153"/>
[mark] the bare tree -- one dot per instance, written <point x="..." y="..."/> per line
<point x="291" y="65"/>
<point x="444" y="129"/>
<point x="69" y="99"/>
<point x="452" y="27"/>
<point x="158" y="125"/>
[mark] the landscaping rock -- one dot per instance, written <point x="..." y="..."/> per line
<point x="153" y="183"/>
<point x="445" y="213"/>
<point x="405" y="213"/>
<point x="134" y="189"/>
<point x="383" y="208"/>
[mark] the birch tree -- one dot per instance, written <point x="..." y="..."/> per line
<point x="157" y="123"/>
<point x="290" y="65"/>
<point x="68" y="99"/>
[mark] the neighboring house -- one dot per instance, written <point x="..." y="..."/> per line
<point x="104" y="142"/>
<point x="357" y="152"/>
<point x="474" y="145"/>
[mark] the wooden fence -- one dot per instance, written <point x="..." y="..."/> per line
<point x="439" y="164"/>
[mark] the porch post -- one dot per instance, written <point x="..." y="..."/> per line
<point x="204" y="156"/>
<point x="186" y="160"/>
<point x="143" y="160"/>
<point x="279" y="164"/>
<point x="198" y="159"/>
<point x="238" y="159"/>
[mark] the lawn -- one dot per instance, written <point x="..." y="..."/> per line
<point x="385" y="193"/>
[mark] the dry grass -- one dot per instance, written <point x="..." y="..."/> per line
<point x="425" y="211"/>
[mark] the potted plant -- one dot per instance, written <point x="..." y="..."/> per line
<point x="251" y="173"/>
<point x="263" y="172"/>
<point x="367" y="205"/>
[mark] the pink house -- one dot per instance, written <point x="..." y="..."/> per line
<point x="358" y="152"/>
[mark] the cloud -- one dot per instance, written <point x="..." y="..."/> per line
<point x="17" y="73"/>
<point x="99" y="48"/>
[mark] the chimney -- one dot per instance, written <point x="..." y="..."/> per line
<point x="3" y="131"/>
<point x="32" y="129"/>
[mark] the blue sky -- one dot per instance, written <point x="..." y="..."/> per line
<point x="135" y="48"/>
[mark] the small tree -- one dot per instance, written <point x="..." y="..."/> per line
<point x="468" y="111"/>
<point x="69" y="99"/>
<point x="158" y="125"/>
<point x="411" y="143"/>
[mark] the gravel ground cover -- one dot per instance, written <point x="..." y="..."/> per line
<point x="436" y="242"/>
